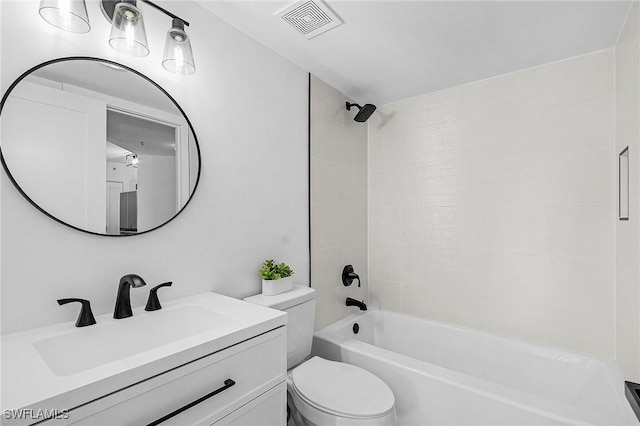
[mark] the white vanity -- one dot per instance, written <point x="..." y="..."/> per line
<point x="204" y="359"/>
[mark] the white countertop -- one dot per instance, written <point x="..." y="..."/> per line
<point x="29" y="383"/>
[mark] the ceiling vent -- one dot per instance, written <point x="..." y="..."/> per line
<point x="309" y="17"/>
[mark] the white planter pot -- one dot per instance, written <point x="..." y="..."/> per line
<point x="271" y="287"/>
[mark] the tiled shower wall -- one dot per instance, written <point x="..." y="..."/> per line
<point x="492" y="205"/>
<point x="338" y="202"/>
<point x="628" y="232"/>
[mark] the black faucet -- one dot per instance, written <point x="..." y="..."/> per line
<point x="153" y="303"/>
<point x="354" y="302"/>
<point x="86" y="316"/>
<point x="123" y="302"/>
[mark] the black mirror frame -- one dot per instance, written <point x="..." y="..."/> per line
<point x="89" y="58"/>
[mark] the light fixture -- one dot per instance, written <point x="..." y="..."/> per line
<point x="178" y="57"/>
<point x="127" y="31"/>
<point x="127" y="35"/>
<point x="131" y="159"/>
<point x="68" y="15"/>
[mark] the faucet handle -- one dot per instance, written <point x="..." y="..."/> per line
<point x="86" y="316"/>
<point x="348" y="275"/>
<point x="153" y="303"/>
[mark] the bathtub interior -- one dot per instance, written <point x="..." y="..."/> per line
<point x="559" y="376"/>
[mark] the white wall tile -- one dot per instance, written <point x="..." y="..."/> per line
<point x="385" y="151"/>
<point x="389" y="263"/>
<point x="583" y="231"/>
<point x="329" y="103"/>
<point x="327" y="183"/>
<point x="503" y="200"/>
<point x="353" y="187"/>
<point x="328" y="138"/>
<point x="355" y="225"/>
<point x="583" y="331"/>
<point x="327" y="225"/>
<point x="339" y="202"/>
<point x="439" y="144"/>
<point x="353" y="148"/>
<point x="391" y="188"/>
<point x="577" y="125"/>
<point x="579" y="177"/>
<point x="385" y="295"/>
<point x="627" y="269"/>
<point x="413" y="299"/>
<point x="584" y="283"/>
<point x="385" y="225"/>
<point x="326" y="267"/>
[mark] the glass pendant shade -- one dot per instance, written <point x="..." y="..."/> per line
<point x="127" y="31"/>
<point x="178" y="57"/>
<point x="68" y="15"/>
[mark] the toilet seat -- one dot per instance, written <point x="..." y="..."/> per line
<point x="341" y="389"/>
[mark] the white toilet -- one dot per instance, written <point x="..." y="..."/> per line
<point x="323" y="392"/>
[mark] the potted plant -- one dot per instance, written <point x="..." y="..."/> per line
<point x="276" y="277"/>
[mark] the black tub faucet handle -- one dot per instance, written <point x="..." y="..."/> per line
<point x="86" y="316"/>
<point x="348" y="275"/>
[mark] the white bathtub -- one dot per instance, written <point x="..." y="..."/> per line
<point x="448" y="375"/>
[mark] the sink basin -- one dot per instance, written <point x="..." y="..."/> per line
<point x="64" y="367"/>
<point x="93" y="346"/>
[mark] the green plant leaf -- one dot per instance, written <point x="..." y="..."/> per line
<point x="272" y="271"/>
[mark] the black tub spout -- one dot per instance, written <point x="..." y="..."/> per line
<point x="354" y="302"/>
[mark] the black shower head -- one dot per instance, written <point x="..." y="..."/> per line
<point x="364" y="113"/>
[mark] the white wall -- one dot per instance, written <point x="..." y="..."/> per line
<point x="249" y="110"/>
<point x="492" y="205"/>
<point x="627" y="61"/>
<point x="338" y="202"/>
<point x="119" y="172"/>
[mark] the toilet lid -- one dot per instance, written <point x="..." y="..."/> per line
<point x="342" y="388"/>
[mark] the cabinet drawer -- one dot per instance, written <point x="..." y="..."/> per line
<point x="269" y="409"/>
<point x="255" y="366"/>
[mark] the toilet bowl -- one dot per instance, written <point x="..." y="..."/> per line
<point x="323" y="392"/>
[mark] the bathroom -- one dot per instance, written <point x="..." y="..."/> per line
<point x="483" y="193"/>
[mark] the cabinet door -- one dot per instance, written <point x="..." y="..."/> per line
<point x="269" y="409"/>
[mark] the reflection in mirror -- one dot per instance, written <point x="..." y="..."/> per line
<point x="98" y="147"/>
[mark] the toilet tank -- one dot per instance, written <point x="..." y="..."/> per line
<point x="300" y="306"/>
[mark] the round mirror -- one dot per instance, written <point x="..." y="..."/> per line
<point x="98" y="146"/>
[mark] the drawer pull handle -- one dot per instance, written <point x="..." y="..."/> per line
<point x="227" y="384"/>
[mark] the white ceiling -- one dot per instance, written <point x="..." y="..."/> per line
<point x="391" y="50"/>
<point x="141" y="136"/>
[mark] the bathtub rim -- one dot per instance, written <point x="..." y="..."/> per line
<point x="343" y="321"/>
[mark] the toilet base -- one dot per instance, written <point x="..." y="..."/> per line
<point x="295" y="417"/>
